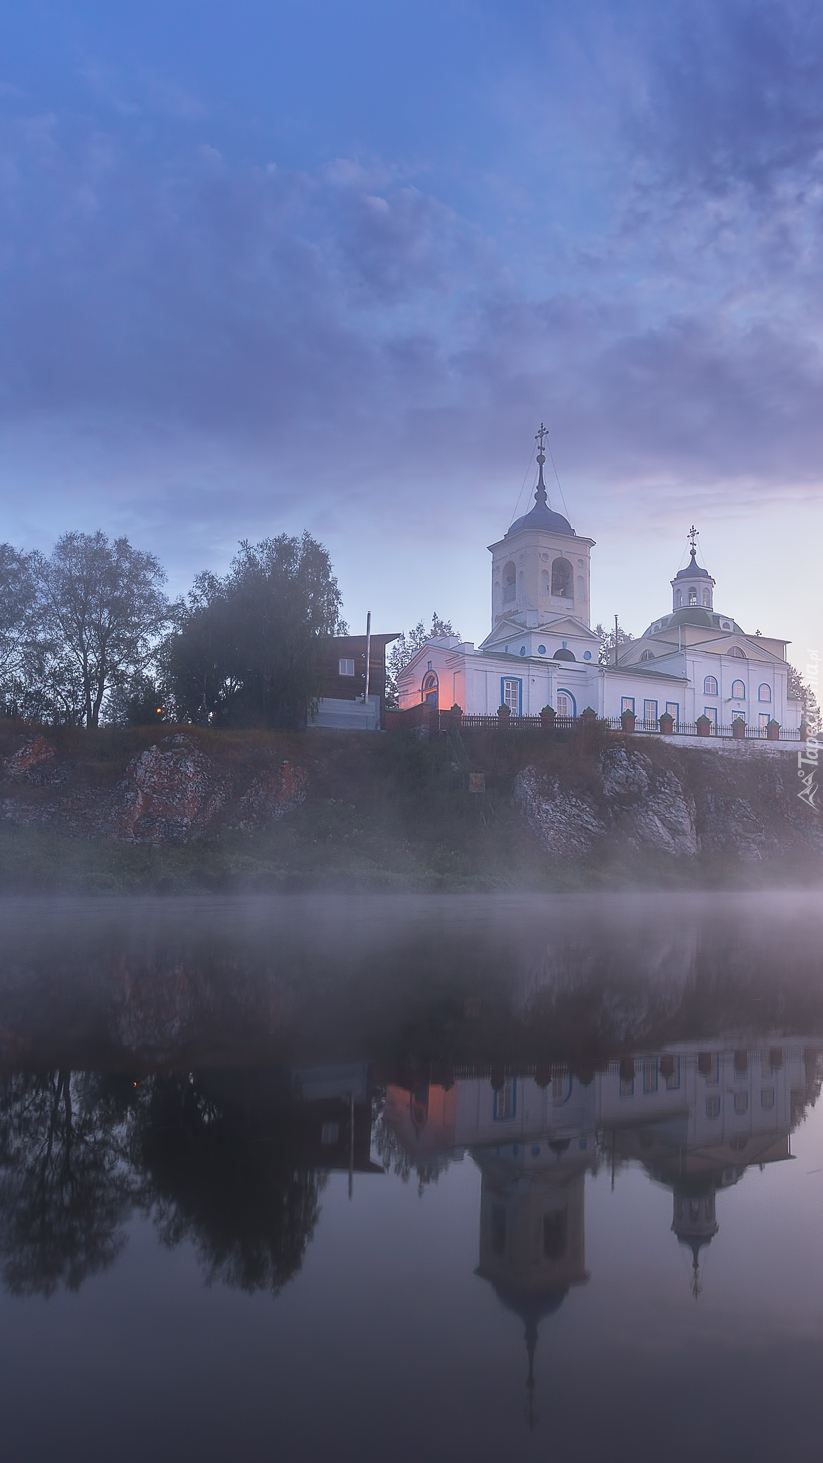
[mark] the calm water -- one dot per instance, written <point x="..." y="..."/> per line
<point x="360" y="1179"/>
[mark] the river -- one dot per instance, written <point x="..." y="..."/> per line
<point x="351" y="1178"/>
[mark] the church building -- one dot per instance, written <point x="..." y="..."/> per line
<point x="691" y="662"/>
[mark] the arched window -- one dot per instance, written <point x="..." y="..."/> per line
<point x="692" y="596"/>
<point x="764" y="692"/>
<point x="562" y="579"/>
<point x="738" y="690"/>
<point x="430" y="687"/>
<point x="710" y="686"/>
<point x="707" y="599"/>
<point x="563" y="654"/>
<point x="737" y="653"/>
<point x="647" y="655"/>
<point x="679" y="598"/>
<point x="566" y="704"/>
<point x="509" y="578"/>
<point x="544" y="582"/>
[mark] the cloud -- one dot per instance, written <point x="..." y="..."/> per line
<point x="194" y="333"/>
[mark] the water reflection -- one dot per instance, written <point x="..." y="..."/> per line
<point x="695" y="1119"/>
<point x="206" y="1079"/>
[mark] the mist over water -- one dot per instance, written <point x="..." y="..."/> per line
<point x="340" y="1177"/>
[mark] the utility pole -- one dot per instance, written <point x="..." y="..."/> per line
<point x="615" y="639"/>
<point x="368" y="657"/>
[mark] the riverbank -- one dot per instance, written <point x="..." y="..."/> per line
<point x="182" y="809"/>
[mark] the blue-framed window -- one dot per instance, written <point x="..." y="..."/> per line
<point x="429" y="687"/>
<point x="710" y="686"/>
<point x="565" y="700"/>
<point x="626" y="704"/>
<point x="650" y="713"/>
<point x="764" y="692"/>
<point x="673" y="709"/>
<point x="511" y="694"/>
<point x="505" y="1101"/>
<point x="738" y="690"/>
<point x="711" y="713"/>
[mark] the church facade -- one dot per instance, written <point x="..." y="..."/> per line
<point x="691" y="662"/>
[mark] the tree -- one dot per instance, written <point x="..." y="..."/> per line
<point x="407" y="645"/>
<point x="66" y="1190"/>
<point x="249" y="648"/>
<point x="606" y="638"/>
<point x="139" y="701"/>
<point x="101" y="612"/>
<point x="228" y="1178"/>
<point x="805" y="695"/>
<point x="18" y="597"/>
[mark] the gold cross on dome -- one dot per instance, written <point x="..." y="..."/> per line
<point x="692" y="534"/>
<point x="538" y="436"/>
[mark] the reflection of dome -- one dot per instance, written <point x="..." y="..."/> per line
<point x="532" y="1309"/>
<point x="694" y="1223"/>
<point x="530" y="1306"/>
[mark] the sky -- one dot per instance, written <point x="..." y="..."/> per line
<point x="267" y="267"/>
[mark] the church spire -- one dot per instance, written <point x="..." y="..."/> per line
<point x="540" y="494"/>
<point x="531" y="1345"/>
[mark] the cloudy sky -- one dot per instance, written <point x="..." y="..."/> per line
<point x="269" y="266"/>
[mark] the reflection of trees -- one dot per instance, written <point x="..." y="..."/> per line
<point x="65" y="1187"/>
<point x="233" y="1187"/>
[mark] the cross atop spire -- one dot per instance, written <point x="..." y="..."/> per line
<point x="692" y="535"/>
<point x="540" y="495"/>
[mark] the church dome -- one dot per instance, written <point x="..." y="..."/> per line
<point x="541" y="515"/>
<point x="692" y="570"/>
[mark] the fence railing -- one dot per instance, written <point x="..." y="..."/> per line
<point x="426" y="715"/>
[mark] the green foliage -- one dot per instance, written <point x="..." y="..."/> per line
<point x="248" y="649"/>
<point x="805" y="695"/>
<point x="98" y="613"/>
<point x="138" y="702"/>
<point x="18" y="598"/>
<point x="606" y="638"/>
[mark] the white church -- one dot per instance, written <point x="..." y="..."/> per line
<point x="692" y="662"/>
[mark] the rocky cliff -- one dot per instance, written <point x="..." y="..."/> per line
<point x="683" y="804"/>
<point x="284" y="809"/>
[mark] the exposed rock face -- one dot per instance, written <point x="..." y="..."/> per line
<point x="564" y="824"/>
<point x="272" y="795"/>
<point x="169" y="794"/>
<point x="31" y="761"/>
<point x="635" y="805"/>
<point x="733" y="824"/>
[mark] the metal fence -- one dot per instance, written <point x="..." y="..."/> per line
<point x="427" y="716"/>
<point x="614" y="723"/>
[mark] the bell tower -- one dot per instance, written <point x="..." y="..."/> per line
<point x="693" y="587"/>
<point x="540" y="568"/>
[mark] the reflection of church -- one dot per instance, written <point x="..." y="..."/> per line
<point x="695" y="1119"/>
